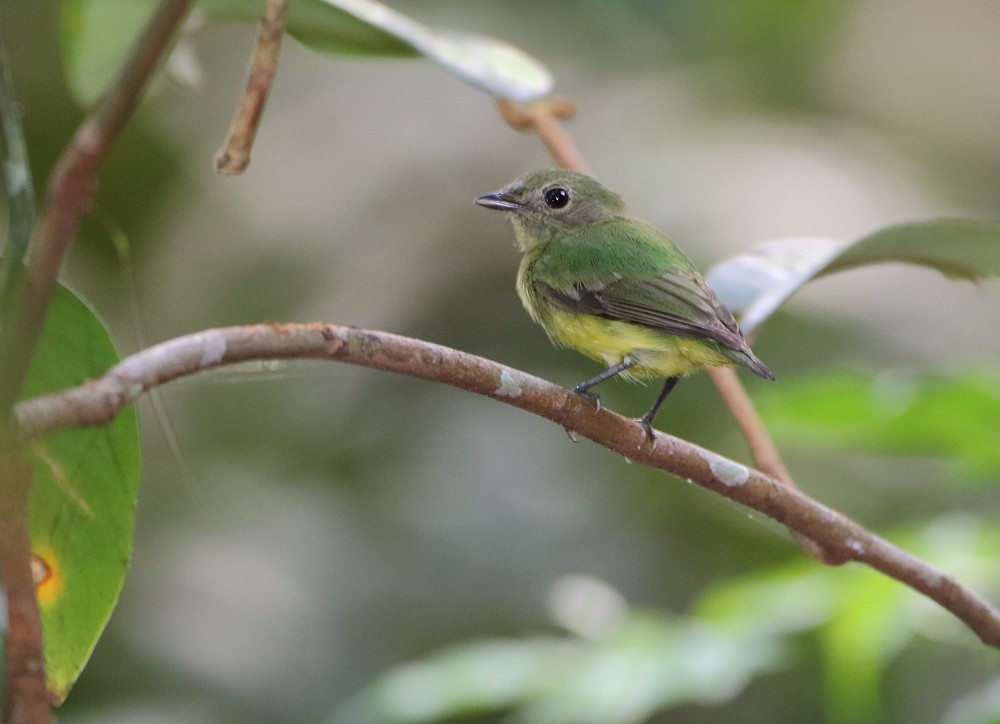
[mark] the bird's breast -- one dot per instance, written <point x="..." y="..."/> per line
<point x="610" y="341"/>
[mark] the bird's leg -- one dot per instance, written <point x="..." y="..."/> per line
<point x="647" y="420"/>
<point x="584" y="387"/>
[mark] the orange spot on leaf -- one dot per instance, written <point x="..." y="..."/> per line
<point x="47" y="574"/>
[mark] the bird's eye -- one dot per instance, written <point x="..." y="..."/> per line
<point x="556" y="197"/>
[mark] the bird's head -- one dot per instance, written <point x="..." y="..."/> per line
<point x="544" y="204"/>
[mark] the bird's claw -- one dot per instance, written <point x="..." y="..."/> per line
<point x="647" y="425"/>
<point x="592" y="396"/>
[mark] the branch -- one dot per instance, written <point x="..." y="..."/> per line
<point x="97" y="402"/>
<point x="234" y="157"/>
<point x="27" y="697"/>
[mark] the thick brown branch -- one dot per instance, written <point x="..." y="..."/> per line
<point x="97" y="402"/>
<point x="27" y="698"/>
<point x="234" y="157"/>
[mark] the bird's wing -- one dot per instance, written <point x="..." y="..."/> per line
<point x="626" y="271"/>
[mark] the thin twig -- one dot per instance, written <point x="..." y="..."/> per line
<point x="98" y="401"/>
<point x="234" y="157"/>
<point x="71" y="189"/>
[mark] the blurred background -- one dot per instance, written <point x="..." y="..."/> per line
<point x="331" y="543"/>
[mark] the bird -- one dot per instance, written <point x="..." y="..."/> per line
<point x="614" y="288"/>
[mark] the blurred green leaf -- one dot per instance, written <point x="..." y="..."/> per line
<point x="649" y="663"/>
<point x="895" y="413"/>
<point x="965" y="249"/>
<point x="979" y="707"/>
<point x="97" y="33"/>
<point x="863" y="618"/>
<point x="865" y="629"/>
<point x="490" y="65"/>
<point x="475" y="677"/>
<point x="783" y="600"/>
<point x="737" y="630"/>
<point x="756" y="283"/>
<point x="778" y="43"/>
<point x="82" y="503"/>
<point x="321" y="25"/>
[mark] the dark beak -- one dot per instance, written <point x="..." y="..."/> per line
<point x="499" y="201"/>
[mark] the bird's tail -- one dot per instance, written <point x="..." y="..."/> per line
<point x="748" y="359"/>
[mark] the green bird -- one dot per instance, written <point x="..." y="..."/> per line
<point x="613" y="287"/>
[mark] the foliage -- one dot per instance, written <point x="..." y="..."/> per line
<point x="96" y="33"/>
<point x="618" y="665"/>
<point x="757" y="282"/>
<point x="83" y="498"/>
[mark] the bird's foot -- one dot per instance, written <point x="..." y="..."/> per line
<point x="571" y="435"/>
<point x="647" y="425"/>
<point x="592" y="396"/>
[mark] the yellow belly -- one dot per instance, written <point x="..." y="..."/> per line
<point x="608" y="341"/>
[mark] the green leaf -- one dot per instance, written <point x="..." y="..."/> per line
<point x="82" y="504"/>
<point x="756" y="283"/>
<point x="648" y="664"/>
<point x="95" y="36"/>
<point x="964" y="249"/>
<point x="320" y="25"/>
<point x="782" y="601"/>
<point x="369" y="27"/>
<point x="895" y="413"/>
<point x="97" y="33"/>
<point x="738" y="629"/>
<point x="860" y="639"/>
<point x="863" y="619"/>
